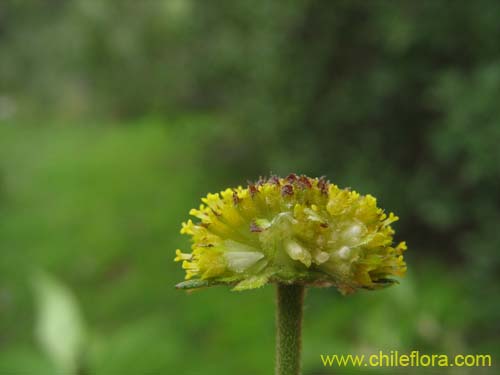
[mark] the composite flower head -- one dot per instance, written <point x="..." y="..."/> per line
<point x="291" y="230"/>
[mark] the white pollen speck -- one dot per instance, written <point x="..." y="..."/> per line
<point x="354" y="230"/>
<point x="297" y="252"/>
<point x="322" y="257"/>
<point x="344" y="252"/>
<point x="294" y="250"/>
<point x="352" y="235"/>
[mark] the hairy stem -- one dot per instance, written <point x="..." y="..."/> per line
<point x="290" y="300"/>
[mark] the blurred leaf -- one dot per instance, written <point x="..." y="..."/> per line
<point x="59" y="329"/>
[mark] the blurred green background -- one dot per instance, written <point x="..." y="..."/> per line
<point x="116" y="117"/>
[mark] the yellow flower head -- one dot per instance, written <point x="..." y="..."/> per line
<point x="291" y="230"/>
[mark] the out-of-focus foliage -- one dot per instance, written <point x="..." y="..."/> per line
<point x="58" y="316"/>
<point x="397" y="99"/>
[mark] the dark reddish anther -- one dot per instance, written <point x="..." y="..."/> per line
<point x="323" y="225"/>
<point x="292" y="177"/>
<point x="216" y="213"/>
<point x="255" y="228"/>
<point x="236" y="199"/>
<point x="253" y="190"/>
<point x="323" y="185"/>
<point x="304" y="182"/>
<point x="204" y="225"/>
<point x="275" y="180"/>
<point x="261" y="181"/>
<point x="287" y="190"/>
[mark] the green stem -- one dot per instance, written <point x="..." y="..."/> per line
<point x="290" y="300"/>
